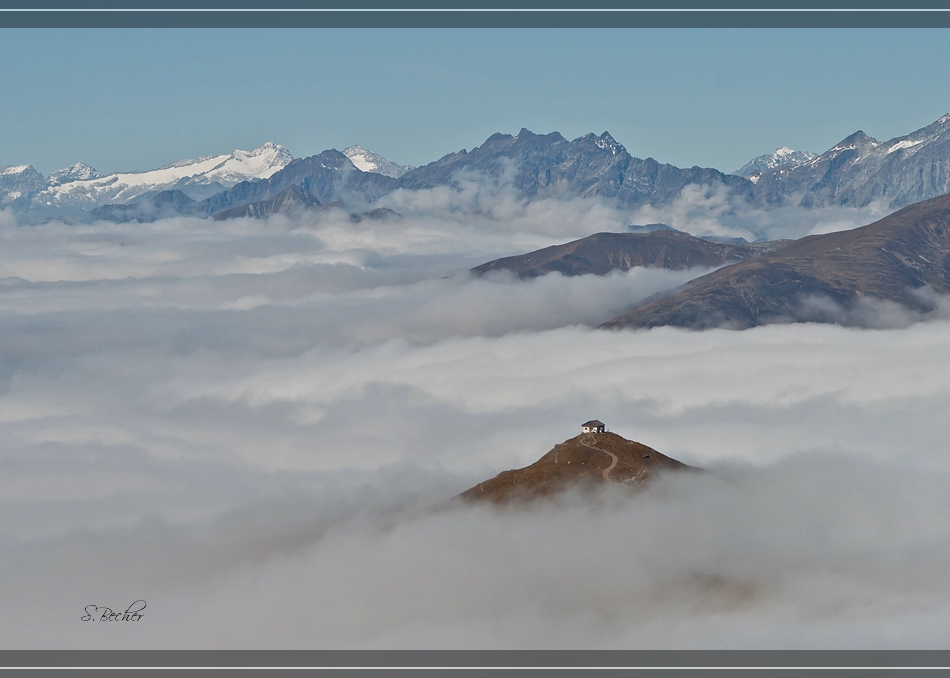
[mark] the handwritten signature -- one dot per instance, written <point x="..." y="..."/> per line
<point x="132" y="613"/>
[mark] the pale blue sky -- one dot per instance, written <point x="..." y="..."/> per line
<point x="132" y="99"/>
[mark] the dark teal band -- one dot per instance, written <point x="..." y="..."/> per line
<point x="376" y="14"/>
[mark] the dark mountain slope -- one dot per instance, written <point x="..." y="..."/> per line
<point x="328" y="177"/>
<point x="291" y="201"/>
<point x="601" y="253"/>
<point x="172" y="203"/>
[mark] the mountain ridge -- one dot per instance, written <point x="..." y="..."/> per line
<point x="600" y="253"/>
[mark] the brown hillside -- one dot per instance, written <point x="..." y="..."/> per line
<point x="588" y="461"/>
<point x="884" y="260"/>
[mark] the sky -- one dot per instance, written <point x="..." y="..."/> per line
<point x="133" y="99"/>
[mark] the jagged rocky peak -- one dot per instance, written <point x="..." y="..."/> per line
<point x="597" y="148"/>
<point x="608" y="143"/>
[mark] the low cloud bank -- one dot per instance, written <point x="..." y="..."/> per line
<point x="924" y="304"/>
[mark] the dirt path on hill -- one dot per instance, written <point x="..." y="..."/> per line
<point x="613" y="457"/>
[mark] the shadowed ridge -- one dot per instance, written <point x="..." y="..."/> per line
<point x="601" y="253"/>
<point x="292" y="202"/>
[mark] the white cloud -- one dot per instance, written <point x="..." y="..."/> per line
<point x="714" y="210"/>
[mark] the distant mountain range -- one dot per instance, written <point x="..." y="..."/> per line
<point x="855" y="172"/>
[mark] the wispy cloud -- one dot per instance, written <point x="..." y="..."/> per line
<point x="715" y="210"/>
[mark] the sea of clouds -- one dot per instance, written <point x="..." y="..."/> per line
<point x="254" y="426"/>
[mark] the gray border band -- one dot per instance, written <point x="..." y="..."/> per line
<point x="524" y="659"/>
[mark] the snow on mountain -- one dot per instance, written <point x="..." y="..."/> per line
<point x="11" y="170"/>
<point x="77" y="172"/>
<point x="780" y="157"/>
<point x="197" y="178"/>
<point x="605" y="142"/>
<point x="935" y="133"/>
<point x="905" y="143"/>
<point x="860" y="170"/>
<point x="367" y="161"/>
<point x="18" y="182"/>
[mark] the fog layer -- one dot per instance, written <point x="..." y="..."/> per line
<point x="247" y="424"/>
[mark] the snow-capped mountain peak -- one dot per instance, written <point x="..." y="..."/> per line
<point x="259" y="163"/>
<point x="10" y="170"/>
<point x="80" y="171"/>
<point x="18" y="182"/>
<point x="783" y="152"/>
<point x="780" y="157"/>
<point x="198" y="178"/>
<point x="368" y="161"/>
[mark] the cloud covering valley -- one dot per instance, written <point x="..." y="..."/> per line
<point x="249" y="423"/>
